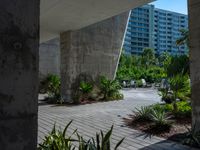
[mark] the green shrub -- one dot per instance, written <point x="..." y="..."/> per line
<point x="53" y="88"/>
<point x="85" y="89"/>
<point x="109" y="88"/>
<point x="158" y="107"/>
<point x="160" y="118"/>
<point x="184" y="109"/>
<point x="102" y="142"/>
<point x="143" y="114"/>
<point x="59" y="140"/>
<point x="166" y="96"/>
<point x="179" y="84"/>
<point x="139" y="83"/>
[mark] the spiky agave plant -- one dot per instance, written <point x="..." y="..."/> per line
<point x="143" y="113"/>
<point x="160" y="118"/>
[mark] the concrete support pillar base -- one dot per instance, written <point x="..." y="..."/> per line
<point x="94" y="51"/>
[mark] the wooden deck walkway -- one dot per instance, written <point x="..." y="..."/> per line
<point x="92" y="118"/>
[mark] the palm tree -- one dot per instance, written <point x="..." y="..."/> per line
<point x="184" y="39"/>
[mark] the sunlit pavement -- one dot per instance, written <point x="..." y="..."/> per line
<point x="91" y="118"/>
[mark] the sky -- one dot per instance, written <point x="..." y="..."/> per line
<point x="179" y="6"/>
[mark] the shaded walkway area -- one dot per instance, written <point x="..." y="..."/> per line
<point x="92" y="118"/>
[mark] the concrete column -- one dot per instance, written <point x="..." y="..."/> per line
<point x="194" y="29"/>
<point x="93" y="50"/>
<point x="19" y="44"/>
<point x="49" y="58"/>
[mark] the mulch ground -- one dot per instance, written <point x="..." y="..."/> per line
<point x="176" y="132"/>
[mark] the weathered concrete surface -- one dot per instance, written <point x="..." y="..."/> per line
<point x="194" y="28"/>
<point x="19" y="42"/>
<point x="49" y="58"/>
<point x="94" y="50"/>
<point x="63" y="15"/>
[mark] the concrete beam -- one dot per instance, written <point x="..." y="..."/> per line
<point x="63" y="15"/>
<point x="94" y="50"/>
<point x="19" y="42"/>
<point x="194" y="33"/>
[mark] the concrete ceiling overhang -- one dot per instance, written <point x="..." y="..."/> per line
<point x="57" y="16"/>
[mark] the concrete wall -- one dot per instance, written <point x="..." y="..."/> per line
<point x="49" y="58"/>
<point x="194" y="28"/>
<point x="19" y="46"/>
<point x="94" y="50"/>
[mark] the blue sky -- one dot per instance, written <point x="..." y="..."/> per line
<point x="172" y="5"/>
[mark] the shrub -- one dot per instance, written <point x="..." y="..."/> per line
<point x="184" y="109"/>
<point x="85" y="89"/>
<point x="143" y="114"/>
<point x="109" y="88"/>
<point x="166" y="95"/>
<point x="139" y="83"/>
<point x="53" y="88"/>
<point x="179" y="84"/>
<point x="58" y="140"/>
<point x="102" y="142"/>
<point x="160" y="119"/>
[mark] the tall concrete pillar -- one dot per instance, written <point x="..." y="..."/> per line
<point x="194" y="33"/>
<point x="19" y="44"/>
<point x="94" y="50"/>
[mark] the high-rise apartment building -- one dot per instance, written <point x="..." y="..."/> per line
<point x="155" y="28"/>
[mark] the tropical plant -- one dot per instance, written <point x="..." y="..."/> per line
<point x="102" y="142"/>
<point x="166" y="95"/>
<point x="143" y="114"/>
<point x="57" y="140"/>
<point x="148" y="57"/>
<point x="160" y="118"/>
<point x="180" y="85"/>
<point x="85" y="89"/>
<point x="53" y="87"/>
<point x="184" y="39"/>
<point x="109" y="87"/>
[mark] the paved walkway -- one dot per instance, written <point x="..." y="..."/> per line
<point x="91" y="118"/>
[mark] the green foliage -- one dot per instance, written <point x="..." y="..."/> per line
<point x="58" y="140"/>
<point x="184" y="109"/>
<point x="148" y="57"/>
<point x="143" y="114"/>
<point x="159" y="117"/>
<point x="176" y="65"/>
<point x="184" y="39"/>
<point x="166" y="95"/>
<point x="139" y="83"/>
<point x="180" y="86"/>
<point x="85" y="87"/>
<point x="109" y="88"/>
<point x="53" y="88"/>
<point x="102" y="142"/>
